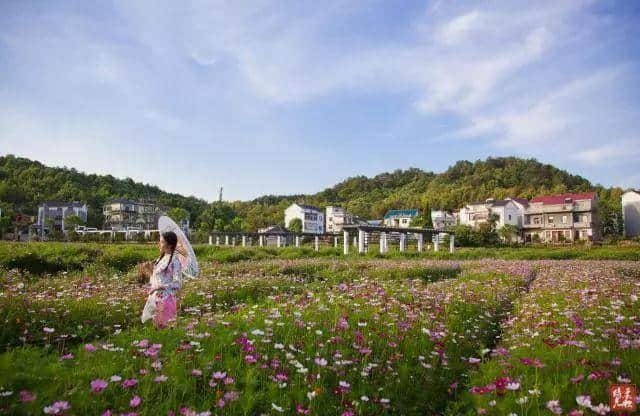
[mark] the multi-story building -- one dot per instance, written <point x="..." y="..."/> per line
<point x="631" y="213"/>
<point x="400" y="218"/>
<point x="506" y="211"/>
<point x="51" y="215"/>
<point x="336" y="217"/>
<point x="124" y="214"/>
<point x="443" y="219"/>
<point x="558" y="218"/>
<point x="312" y="217"/>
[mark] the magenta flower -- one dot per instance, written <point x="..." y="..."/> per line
<point x="219" y="375"/>
<point x="135" y="401"/>
<point x="302" y="410"/>
<point x="67" y="357"/>
<point x="90" y="347"/>
<point x="160" y="379"/>
<point x="128" y="383"/>
<point x="26" y="396"/>
<point x="196" y="373"/>
<point x="229" y="380"/>
<point x="57" y="408"/>
<point x="98" y="385"/>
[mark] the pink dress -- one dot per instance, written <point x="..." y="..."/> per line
<point x="161" y="305"/>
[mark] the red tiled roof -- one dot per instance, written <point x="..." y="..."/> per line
<point x="559" y="199"/>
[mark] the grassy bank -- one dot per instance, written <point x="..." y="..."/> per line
<point x="40" y="258"/>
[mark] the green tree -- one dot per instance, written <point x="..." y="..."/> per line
<point x="72" y="221"/>
<point x="295" y="225"/>
<point x="508" y="232"/>
<point x="178" y="214"/>
<point x="217" y="217"/>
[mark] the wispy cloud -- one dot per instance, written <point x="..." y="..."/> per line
<point x="285" y="81"/>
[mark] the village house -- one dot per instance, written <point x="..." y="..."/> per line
<point x="336" y="217"/>
<point x="312" y="217"/>
<point x="506" y="211"/>
<point x="558" y="218"/>
<point x="51" y="215"/>
<point x="124" y="214"/>
<point x="400" y="218"/>
<point x="441" y="220"/>
<point x="631" y="213"/>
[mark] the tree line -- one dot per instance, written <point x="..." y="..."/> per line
<point x="25" y="183"/>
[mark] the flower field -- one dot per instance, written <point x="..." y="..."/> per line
<point x="327" y="337"/>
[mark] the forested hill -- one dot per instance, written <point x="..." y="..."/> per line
<point x="24" y="183"/>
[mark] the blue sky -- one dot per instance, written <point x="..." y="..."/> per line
<point x="269" y="97"/>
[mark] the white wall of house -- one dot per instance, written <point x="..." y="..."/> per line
<point x="631" y="213"/>
<point x="312" y="219"/>
<point x="336" y="217"/>
<point x="510" y="213"/>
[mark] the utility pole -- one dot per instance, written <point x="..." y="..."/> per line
<point x="220" y="195"/>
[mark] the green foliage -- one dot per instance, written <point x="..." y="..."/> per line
<point x="72" y="221"/>
<point x="508" y="232"/>
<point x="25" y="183"/>
<point x="178" y="214"/>
<point x="295" y="225"/>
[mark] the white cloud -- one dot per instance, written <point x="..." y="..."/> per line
<point x="612" y="153"/>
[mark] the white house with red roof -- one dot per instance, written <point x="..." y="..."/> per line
<point x="560" y="218"/>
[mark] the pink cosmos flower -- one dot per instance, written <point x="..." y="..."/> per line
<point x="584" y="401"/>
<point x="219" y="375"/>
<point x="160" y="379"/>
<point x="229" y="380"/>
<point x="135" y="401"/>
<point x="26" y="396"/>
<point x="57" y="408"/>
<point x="143" y="344"/>
<point x="196" y="373"/>
<point x="48" y="330"/>
<point x="554" y="406"/>
<point x="301" y="410"/>
<point x="128" y="383"/>
<point x="98" y="385"/>
<point x="106" y="413"/>
<point x="90" y="347"/>
<point x="157" y="365"/>
<point x="67" y="357"/>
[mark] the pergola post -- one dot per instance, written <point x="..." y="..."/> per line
<point x="261" y="240"/>
<point x="244" y="241"/>
<point x="420" y="242"/>
<point x="210" y="240"/>
<point x="233" y="241"/>
<point x="355" y="241"/>
<point x="361" y="241"/>
<point x="436" y="243"/>
<point x="297" y="241"/>
<point x="217" y="240"/>
<point x="346" y="243"/>
<point x="403" y="241"/>
<point x="335" y="242"/>
<point x="226" y="240"/>
<point x="383" y="242"/>
<point x="279" y="241"/>
<point x="317" y="243"/>
<point x="452" y="244"/>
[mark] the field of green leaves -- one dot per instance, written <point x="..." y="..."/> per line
<point x="322" y="336"/>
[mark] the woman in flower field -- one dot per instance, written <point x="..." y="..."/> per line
<point x="165" y="279"/>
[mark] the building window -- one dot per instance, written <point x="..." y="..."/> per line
<point x="404" y="220"/>
<point x="509" y="217"/>
<point x="564" y="219"/>
<point x="550" y="220"/>
<point x="536" y="220"/>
